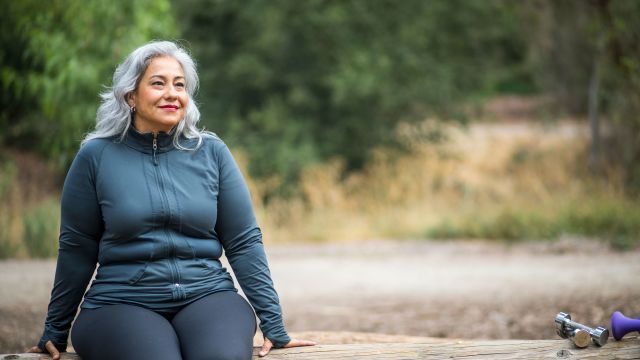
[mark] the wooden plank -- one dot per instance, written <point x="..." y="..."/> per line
<point x="628" y="348"/>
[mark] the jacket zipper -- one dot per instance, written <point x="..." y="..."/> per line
<point x="155" y="148"/>
<point x="175" y="276"/>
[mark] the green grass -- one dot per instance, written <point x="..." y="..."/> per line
<point x="9" y="214"/>
<point x="27" y="229"/>
<point x="616" y="221"/>
<point x="41" y="226"/>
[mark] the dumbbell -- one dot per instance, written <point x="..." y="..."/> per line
<point x="579" y="337"/>
<point x="565" y="327"/>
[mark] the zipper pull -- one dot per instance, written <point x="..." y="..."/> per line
<point x="155" y="148"/>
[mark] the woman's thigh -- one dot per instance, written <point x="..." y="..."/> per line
<point x="124" y="332"/>
<point x="219" y="326"/>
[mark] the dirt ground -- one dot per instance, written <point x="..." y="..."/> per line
<point x="461" y="289"/>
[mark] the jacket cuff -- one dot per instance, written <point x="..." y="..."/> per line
<point x="59" y="340"/>
<point x="280" y="341"/>
<point x="60" y="347"/>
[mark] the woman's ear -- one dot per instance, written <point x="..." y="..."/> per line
<point x="131" y="99"/>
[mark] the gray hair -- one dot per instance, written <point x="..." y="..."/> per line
<point x="113" y="116"/>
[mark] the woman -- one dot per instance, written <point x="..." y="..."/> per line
<point x="155" y="202"/>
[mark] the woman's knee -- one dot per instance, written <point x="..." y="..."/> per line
<point x="219" y="326"/>
<point x="129" y="332"/>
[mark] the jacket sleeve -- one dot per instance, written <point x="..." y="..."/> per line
<point x="241" y="239"/>
<point x="81" y="227"/>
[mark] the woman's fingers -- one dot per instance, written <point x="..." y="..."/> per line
<point x="296" y="343"/>
<point x="266" y="347"/>
<point x="51" y="349"/>
<point x="55" y="354"/>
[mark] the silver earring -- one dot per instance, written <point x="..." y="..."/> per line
<point x="133" y="109"/>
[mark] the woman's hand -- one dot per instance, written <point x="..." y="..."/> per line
<point x="266" y="347"/>
<point x="55" y="354"/>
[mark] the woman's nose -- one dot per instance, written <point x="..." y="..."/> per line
<point x="171" y="91"/>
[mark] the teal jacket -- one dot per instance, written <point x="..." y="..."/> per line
<point x="157" y="219"/>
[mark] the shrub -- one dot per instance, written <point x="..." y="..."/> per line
<point x="41" y="227"/>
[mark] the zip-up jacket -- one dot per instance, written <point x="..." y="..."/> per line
<point x="156" y="220"/>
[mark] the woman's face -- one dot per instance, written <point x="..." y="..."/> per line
<point x="161" y="97"/>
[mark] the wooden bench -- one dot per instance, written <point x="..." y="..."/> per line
<point x="628" y="348"/>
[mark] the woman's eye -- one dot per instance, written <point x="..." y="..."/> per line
<point x="156" y="83"/>
<point x="180" y="84"/>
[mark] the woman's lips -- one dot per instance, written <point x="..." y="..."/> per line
<point x="169" y="107"/>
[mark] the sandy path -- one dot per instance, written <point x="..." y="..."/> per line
<point x="445" y="289"/>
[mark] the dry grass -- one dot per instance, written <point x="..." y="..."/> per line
<point x="478" y="174"/>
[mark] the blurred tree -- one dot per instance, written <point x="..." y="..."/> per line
<point x="294" y="82"/>
<point x="587" y="55"/>
<point x="56" y="56"/>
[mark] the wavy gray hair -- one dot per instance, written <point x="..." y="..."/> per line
<point x="113" y="116"/>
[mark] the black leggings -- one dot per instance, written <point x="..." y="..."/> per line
<point x="218" y="326"/>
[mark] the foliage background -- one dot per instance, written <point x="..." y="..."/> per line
<point x="295" y="87"/>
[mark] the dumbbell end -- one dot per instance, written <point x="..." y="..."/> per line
<point x="600" y="336"/>
<point x="580" y="338"/>
<point x="560" y="327"/>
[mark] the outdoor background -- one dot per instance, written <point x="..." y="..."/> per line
<point x="358" y="124"/>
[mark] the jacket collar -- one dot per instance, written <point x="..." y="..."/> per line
<point x="143" y="142"/>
